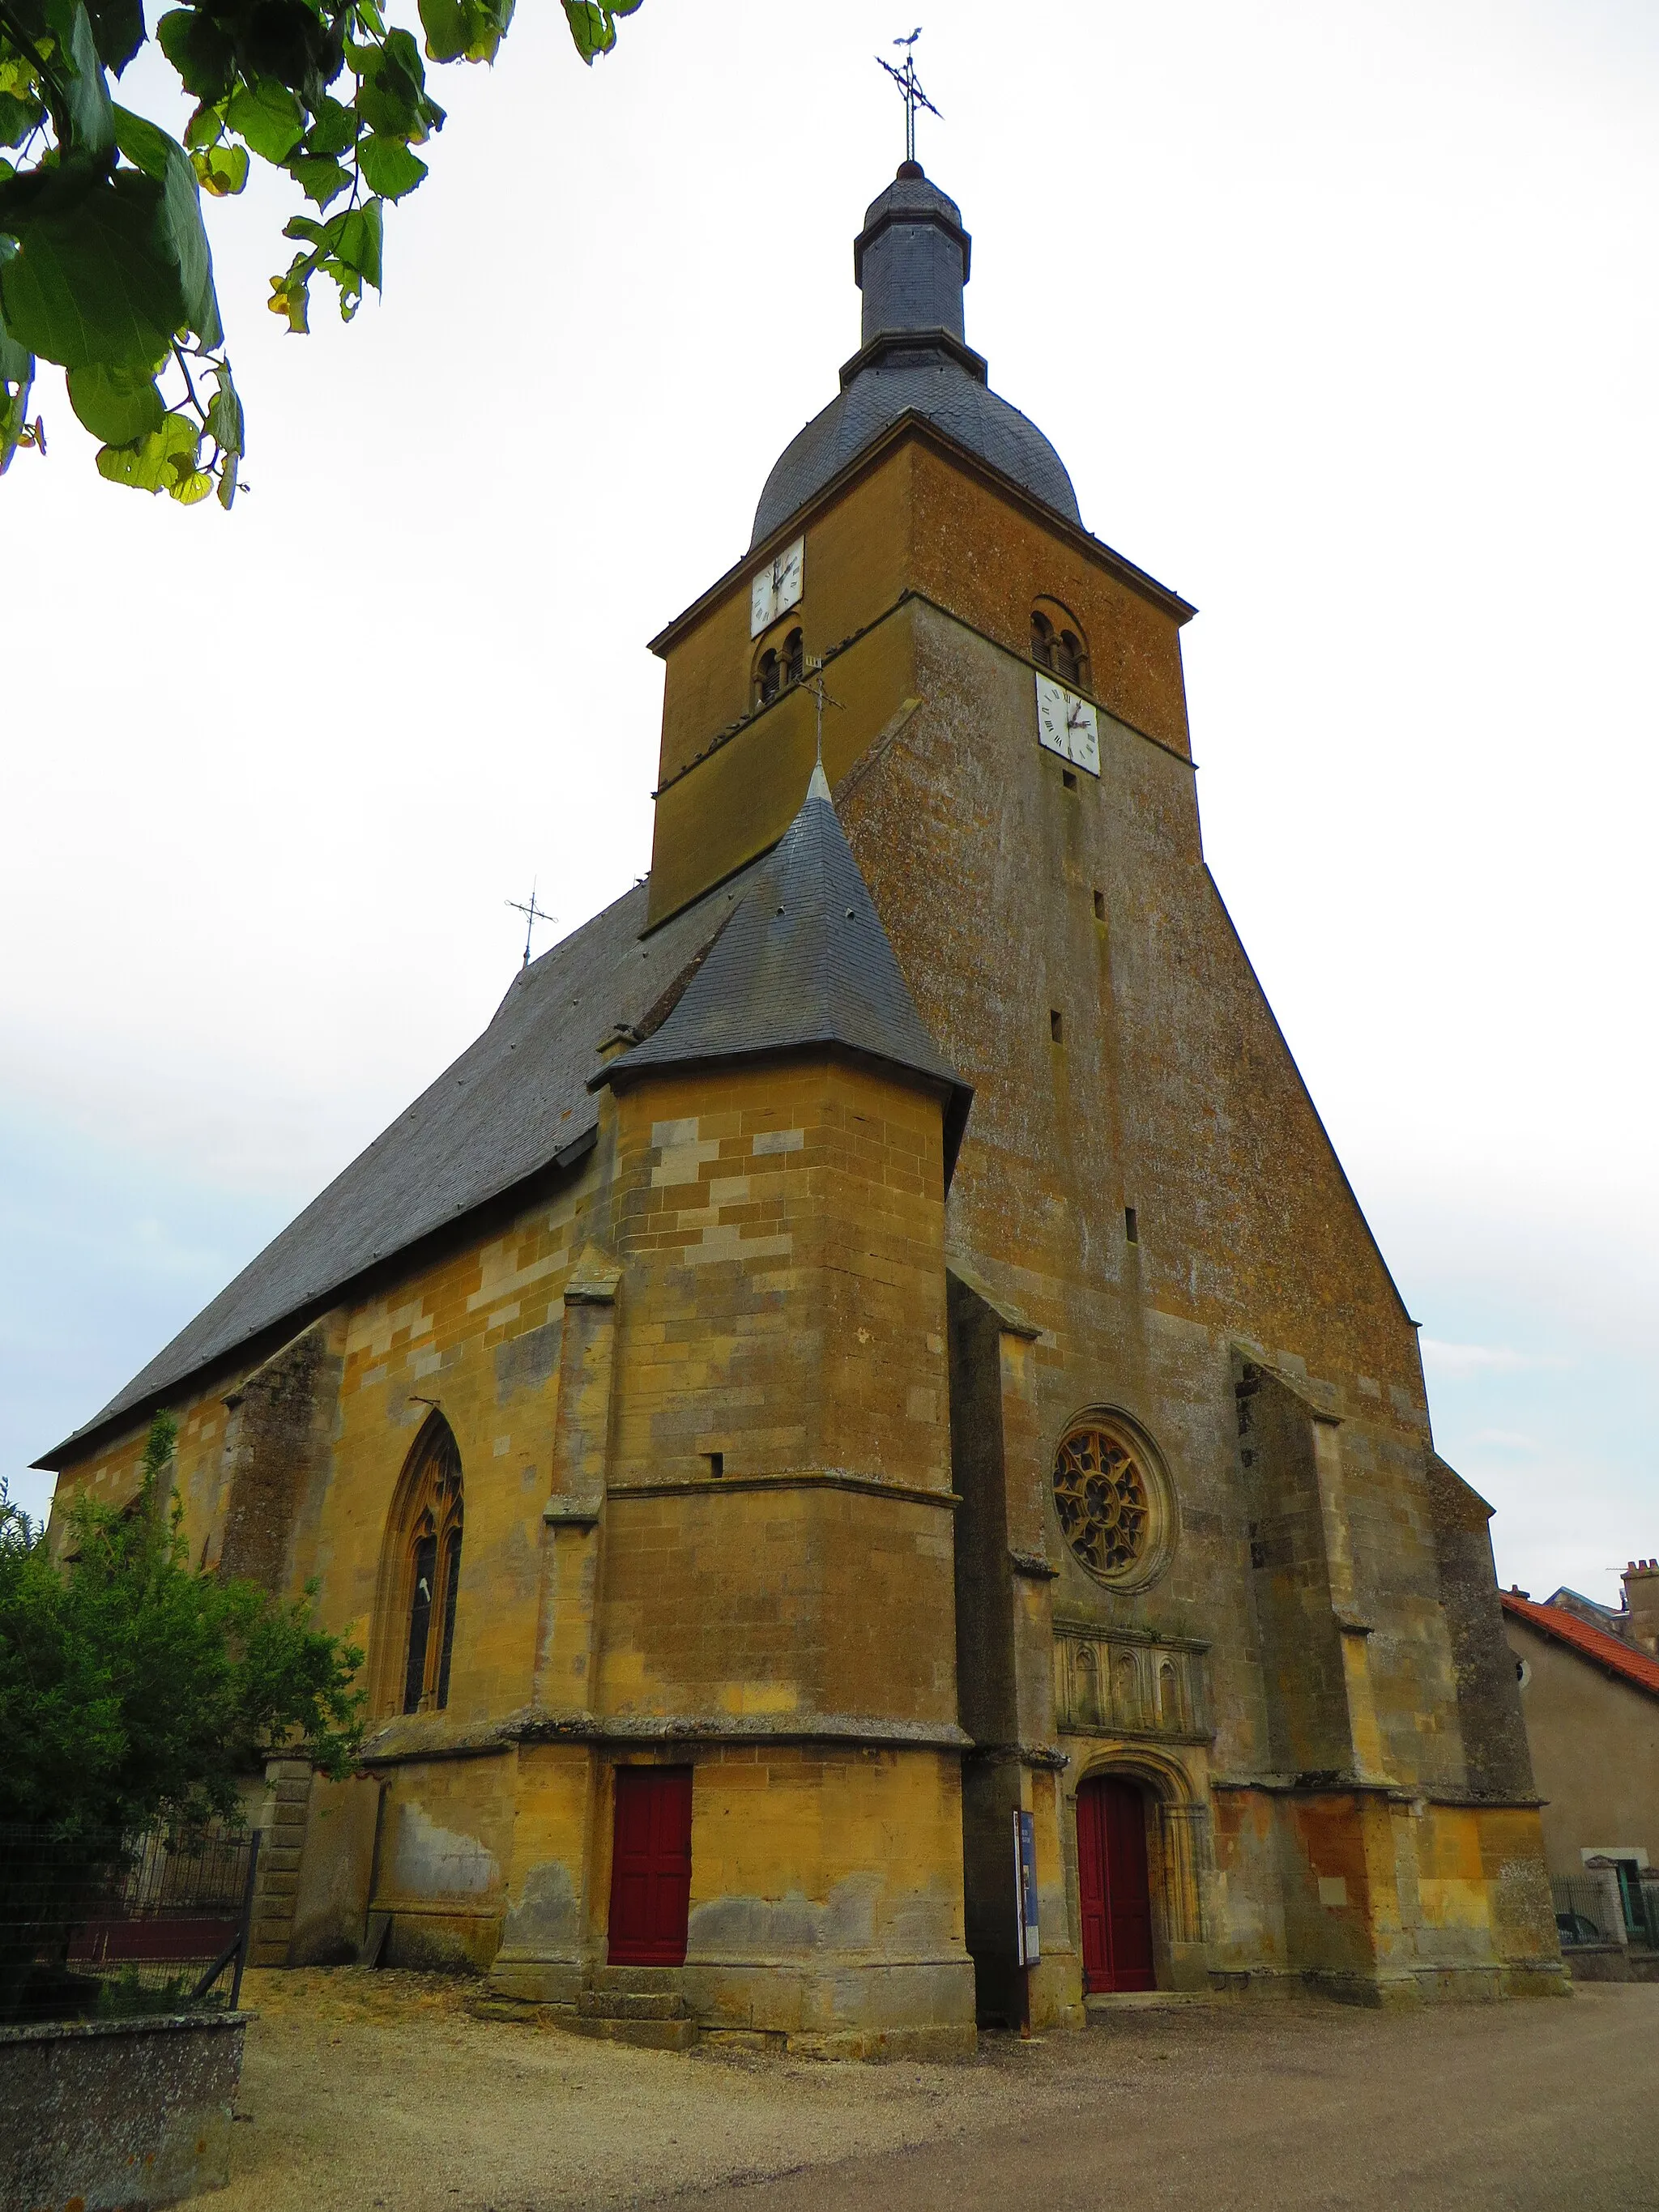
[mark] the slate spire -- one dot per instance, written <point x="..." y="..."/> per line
<point x="804" y="961"/>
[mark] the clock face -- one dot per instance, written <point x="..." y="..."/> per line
<point x="1067" y="725"/>
<point x="778" y="587"/>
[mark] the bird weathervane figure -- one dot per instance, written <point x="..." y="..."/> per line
<point x="914" y="97"/>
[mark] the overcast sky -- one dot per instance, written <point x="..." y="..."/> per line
<point x="1343" y="317"/>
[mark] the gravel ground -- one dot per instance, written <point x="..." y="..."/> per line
<point x="364" y="2090"/>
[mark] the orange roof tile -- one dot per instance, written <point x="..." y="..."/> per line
<point x="1609" y="1652"/>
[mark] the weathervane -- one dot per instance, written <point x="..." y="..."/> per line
<point x="914" y="97"/>
<point x="821" y="699"/>
<point x="532" y="913"/>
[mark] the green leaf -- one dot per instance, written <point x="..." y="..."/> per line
<point x="333" y="128"/>
<point x="166" y="159"/>
<point x="469" y="29"/>
<point x="594" y="28"/>
<point x="221" y="170"/>
<point x="96" y="275"/>
<point x="92" y="130"/>
<point x="200" y="51"/>
<point x="224" y="415"/>
<point x="388" y="98"/>
<point x="117" y="28"/>
<point x="206" y="127"/>
<point x="290" y="296"/>
<point x="155" y="463"/>
<point x="116" y="405"/>
<point x="16" y="361"/>
<point x="268" y="116"/>
<point x="18" y="118"/>
<point x="189" y="487"/>
<point x="227" y="483"/>
<point x="319" y="177"/>
<point x="389" y="167"/>
<point x="361" y="235"/>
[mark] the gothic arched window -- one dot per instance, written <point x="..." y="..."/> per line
<point x="1042" y="639"/>
<point x="420" y="1577"/>
<point x="795" y="656"/>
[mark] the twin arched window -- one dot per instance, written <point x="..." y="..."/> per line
<point x="426" y="1559"/>
<point x="1057" y="643"/>
<point x="778" y="666"/>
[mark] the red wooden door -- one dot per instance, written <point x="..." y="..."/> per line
<point x="1113" y="1888"/>
<point x="651" y="1867"/>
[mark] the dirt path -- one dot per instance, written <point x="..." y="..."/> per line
<point x="366" y="2090"/>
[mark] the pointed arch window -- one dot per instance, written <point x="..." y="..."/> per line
<point x="424" y="1574"/>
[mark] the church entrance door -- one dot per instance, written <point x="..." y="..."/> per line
<point x="651" y="1867"/>
<point x="1112" y="1883"/>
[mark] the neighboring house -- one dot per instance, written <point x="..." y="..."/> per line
<point x="1590" y="1692"/>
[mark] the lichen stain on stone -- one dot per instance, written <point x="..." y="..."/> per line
<point x="548" y="1916"/>
<point x="434" y="1862"/>
<point x="527" y="1362"/>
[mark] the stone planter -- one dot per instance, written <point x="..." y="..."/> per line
<point x="117" y="2116"/>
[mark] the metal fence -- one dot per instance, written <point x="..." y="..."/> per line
<point x="1585" y="1912"/>
<point x="104" y="1927"/>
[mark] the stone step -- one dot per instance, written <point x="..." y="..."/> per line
<point x="643" y="2034"/>
<point x="630" y="2004"/>
<point x="646" y="1981"/>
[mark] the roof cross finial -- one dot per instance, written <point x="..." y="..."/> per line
<point x="914" y="97"/>
<point x="532" y="913"/>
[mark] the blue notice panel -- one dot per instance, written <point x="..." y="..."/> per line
<point x="1026" y="1889"/>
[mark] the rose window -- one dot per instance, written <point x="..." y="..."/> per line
<point x="1105" y="1512"/>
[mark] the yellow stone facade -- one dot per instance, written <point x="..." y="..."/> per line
<point x="757" y="1405"/>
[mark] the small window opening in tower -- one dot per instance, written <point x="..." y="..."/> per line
<point x="1131" y="1226"/>
<point x="1056" y="1026"/>
<point x="716" y="1461"/>
<point x="1069" y="777"/>
<point x="768" y="678"/>
<point x="1100" y="906"/>
<point x="1058" y="643"/>
<point x="795" y="656"/>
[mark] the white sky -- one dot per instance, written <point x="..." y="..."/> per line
<point x="1344" y="319"/>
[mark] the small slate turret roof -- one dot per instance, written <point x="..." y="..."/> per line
<point x="911" y="261"/>
<point x="804" y="961"/>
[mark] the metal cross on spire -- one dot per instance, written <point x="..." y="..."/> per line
<point x="914" y="97"/>
<point x="821" y="699"/>
<point x="532" y="913"/>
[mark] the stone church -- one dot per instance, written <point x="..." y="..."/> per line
<point x="873" y="1342"/>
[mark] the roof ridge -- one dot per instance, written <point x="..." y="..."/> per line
<point x="1638" y="1668"/>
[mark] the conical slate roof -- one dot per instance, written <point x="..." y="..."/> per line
<point x="804" y="961"/>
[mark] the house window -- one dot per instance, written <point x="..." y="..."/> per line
<point x="424" y="1563"/>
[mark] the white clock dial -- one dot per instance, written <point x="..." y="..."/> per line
<point x="778" y="587"/>
<point x="1084" y="731"/>
<point x="762" y="603"/>
<point x="788" y="572"/>
<point x="1067" y="724"/>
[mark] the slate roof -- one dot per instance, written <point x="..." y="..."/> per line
<point x="516" y="1101"/>
<point x="803" y="961"/>
<point x="1626" y="1660"/>
<point x="912" y="261"/>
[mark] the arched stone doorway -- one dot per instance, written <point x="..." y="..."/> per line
<point x="1114" y="1894"/>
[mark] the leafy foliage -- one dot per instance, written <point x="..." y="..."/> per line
<point x="133" y="1688"/>
<point x="104" y="260"/>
